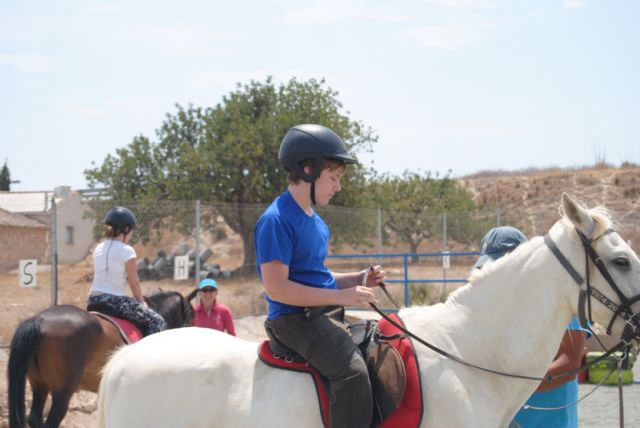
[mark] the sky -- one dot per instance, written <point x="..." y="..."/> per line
<point x="449" y="86"/>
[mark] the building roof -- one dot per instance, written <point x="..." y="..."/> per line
<point x="26" y="202"/>
<point x="18" y="220"/>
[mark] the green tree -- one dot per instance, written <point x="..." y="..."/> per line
<point x="5" y="177"/>
<point x="229" y="153"/>
<point x="415" y="202"/>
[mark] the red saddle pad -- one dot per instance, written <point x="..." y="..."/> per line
<point x="129" y="332"/>
<point x="267" y="357"/>
<point x="409" y="412"/>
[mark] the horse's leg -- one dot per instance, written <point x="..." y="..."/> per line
<point x="66" y="353"/>
<point x="40" y="392"/>
<point x="59" y="405"/>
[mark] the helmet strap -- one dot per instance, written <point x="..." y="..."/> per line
<point x="313" y="193"/>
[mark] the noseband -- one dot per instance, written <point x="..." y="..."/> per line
<point x="623" y="310"/>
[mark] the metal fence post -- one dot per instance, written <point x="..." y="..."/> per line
<point x="443" y="291"/>
<point x="379" y="230"/>
<point x="406" y="280"/>
<point x="53" y="236"/>
<point x="498" y="220"/>
<point x="197" y="242"/>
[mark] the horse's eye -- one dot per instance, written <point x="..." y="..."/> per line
<point x="622" y="262"/>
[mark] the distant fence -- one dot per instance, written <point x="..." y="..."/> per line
<point x="426" y="270"/>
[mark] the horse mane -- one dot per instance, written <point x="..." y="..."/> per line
<point x="477" y="274"/>
<point x="599" y="214"/>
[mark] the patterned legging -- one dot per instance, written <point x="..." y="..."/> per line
<point x="129" y="308"/>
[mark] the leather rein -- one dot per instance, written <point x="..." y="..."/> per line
<point x="630" y="332"/>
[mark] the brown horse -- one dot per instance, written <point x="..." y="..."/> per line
<point x="63" y="349"/>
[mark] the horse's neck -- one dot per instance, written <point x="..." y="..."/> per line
<point x="170" y="307"/>
<point x="513" y="318"/>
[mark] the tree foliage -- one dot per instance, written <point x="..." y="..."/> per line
<point x="415" y="202"/>
<point x="228" y="153"/>
<point x="5" y="177"/>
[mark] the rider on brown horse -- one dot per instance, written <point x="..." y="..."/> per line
<point x="115" y="264"/>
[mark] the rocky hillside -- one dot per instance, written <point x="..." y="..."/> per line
<point x="534" y="196"/>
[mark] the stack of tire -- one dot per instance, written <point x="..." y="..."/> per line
<point x="162" y="266"/>
<point x="599" y="370"/>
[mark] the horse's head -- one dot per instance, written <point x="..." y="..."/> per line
<point x="173" y="307"/>
<point x="610" y="286"/>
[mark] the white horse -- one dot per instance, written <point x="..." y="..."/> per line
<point x="510" y="317"/>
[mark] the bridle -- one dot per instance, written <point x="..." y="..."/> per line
<point x="623" y="310"/>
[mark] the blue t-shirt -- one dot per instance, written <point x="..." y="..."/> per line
<point x="557" y="397"/>
<point x="287" y="234"/>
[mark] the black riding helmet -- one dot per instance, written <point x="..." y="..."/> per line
<point x="304" y="142"/>
<point x="121" y="219"/>
<point x="315" y="142"/>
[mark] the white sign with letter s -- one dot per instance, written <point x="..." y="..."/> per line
<point x="28" y="273"/>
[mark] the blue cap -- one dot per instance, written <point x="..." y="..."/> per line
<point x="497" y="242"/>
<point x="208" y="282"/>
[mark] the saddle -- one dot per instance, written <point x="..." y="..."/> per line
<point x="129" y="332"/>
<point x="392" y="365"/>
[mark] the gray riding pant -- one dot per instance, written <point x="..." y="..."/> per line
<point x="328" y="347"/>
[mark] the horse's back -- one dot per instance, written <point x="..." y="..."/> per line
<point x="66" y="320"/>
<point x="193" y="376"/>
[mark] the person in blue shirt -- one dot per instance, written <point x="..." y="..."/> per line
<point x="559" y="392"/>
<point x="305" y="299"/>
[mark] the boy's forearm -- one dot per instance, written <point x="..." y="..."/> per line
<point x="349" y="279"/>
<point x="292" y="293"/>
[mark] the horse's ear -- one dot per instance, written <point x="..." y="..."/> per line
<point x="578" y="215"/>
<point x="191" y="295"/>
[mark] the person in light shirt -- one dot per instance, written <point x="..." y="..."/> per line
<point x="209" y="312"/>
<point x="115" y="268"/>
<point x="562" y="391"/>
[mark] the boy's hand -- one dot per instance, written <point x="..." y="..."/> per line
<point x="358" y="296"/>
<point x="374" y="276"/>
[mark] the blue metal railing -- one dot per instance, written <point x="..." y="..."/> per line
<point x="405" y="256"/>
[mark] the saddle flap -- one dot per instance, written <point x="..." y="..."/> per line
<point x="129" y="332"/>
<point x="267" y="356"/>
<point x="388" y="377"/>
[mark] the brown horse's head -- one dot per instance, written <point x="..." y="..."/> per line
<point x="173" y="307"/>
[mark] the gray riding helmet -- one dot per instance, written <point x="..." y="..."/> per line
<point x="498" y="242"/>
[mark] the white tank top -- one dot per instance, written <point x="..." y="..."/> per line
<point x="109" y="274"/>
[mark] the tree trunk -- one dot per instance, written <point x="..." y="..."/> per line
<point x="413" y="246"/>
<point x="242" y="220"/>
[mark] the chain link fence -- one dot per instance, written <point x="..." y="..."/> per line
<point x="46" y="253"/>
